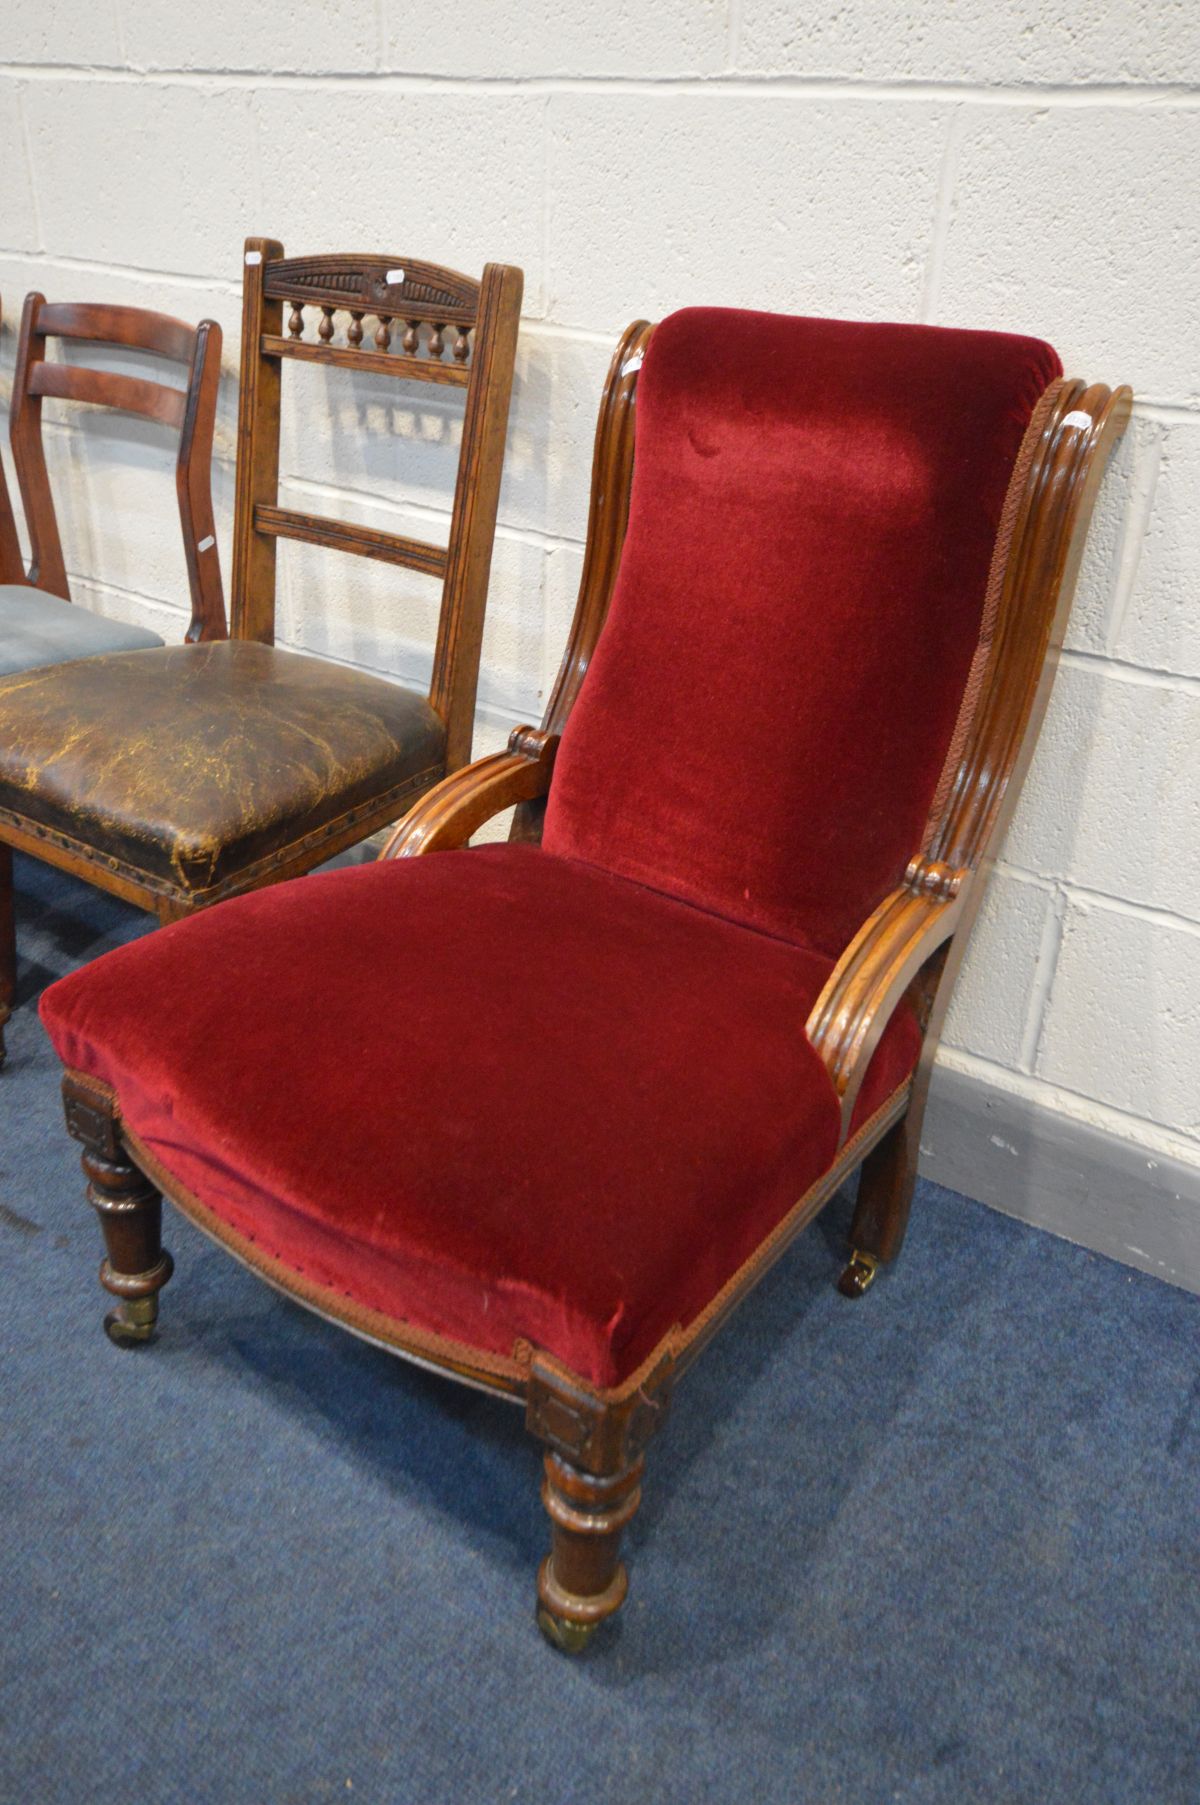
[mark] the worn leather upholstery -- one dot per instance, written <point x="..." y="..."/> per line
<point x="185" y="765"/>
<point x="38" y="629"/>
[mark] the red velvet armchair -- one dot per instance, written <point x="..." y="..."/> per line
<point x="572" y="1095"/>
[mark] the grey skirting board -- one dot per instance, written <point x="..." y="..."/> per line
<point x="1074" y="1179"/>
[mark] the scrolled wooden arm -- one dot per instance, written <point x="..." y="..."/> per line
<point x="876" y="969"/>
<point x="455" y="808"/>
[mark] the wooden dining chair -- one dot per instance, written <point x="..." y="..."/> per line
<point x="39" y="623"/>
<point x="177" y="776"/>
<point x="566" y="1099"/>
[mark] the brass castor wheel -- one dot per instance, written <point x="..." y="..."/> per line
<point x="859" y="1274"/>
<point x="132" y="1323"/>
<point x="568" y="1637"/>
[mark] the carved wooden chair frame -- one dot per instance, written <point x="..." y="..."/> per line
<point x="191" y="411"/>
<point x="484" y="316"/>
<point x="912" y="945"/>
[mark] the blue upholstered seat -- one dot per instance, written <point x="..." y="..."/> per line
<point x="36" y="629"/>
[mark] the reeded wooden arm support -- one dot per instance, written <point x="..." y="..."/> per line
<point x="1073" y="436"/>
<point x="877" y="968"/>
<point x="455" y="808"/>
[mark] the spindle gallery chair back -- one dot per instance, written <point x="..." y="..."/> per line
<point x="417" y="304"/>
<point x="191" y="411"/>
<point x="594" y="1080"/>
<point x="176" y="777"/>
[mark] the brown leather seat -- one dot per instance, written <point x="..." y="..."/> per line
<point x="194" y="770"/>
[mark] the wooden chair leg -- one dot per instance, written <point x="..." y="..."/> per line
<point x="8" y="943"/>
<point x="582" y="1580"/>
<point x="137" y="1266"/>
<point x="885" y="1192"/>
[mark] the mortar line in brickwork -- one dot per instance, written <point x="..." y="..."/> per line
<point x="27" y="152"/>
<point x="1103" y="899"/>
<point x="60" y="260"/>
<point x="580" y="335"/>
<point x="544" y="216"/>
<point x="1122" y="671"/>
<point x="105" y="586"/>
<point x="1148" y="463"/>
<point x="1170" y="919"/>
<point x="412" y="665"/>
<point x="1168" y="413"/>
<point x="73" y="432"/>
<point x="1147" y="1135"/>
<point x="425" y="511"/>
<point x="742" y="85"/>
<point x="1045" y="966"/>
<point x="943" y="212"/>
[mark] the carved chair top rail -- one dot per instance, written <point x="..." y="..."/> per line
<point x="399" y="287"/>
<point x="391" y="290"/>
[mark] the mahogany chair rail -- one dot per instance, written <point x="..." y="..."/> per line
<point x="905" y="956"/>
<point x="177" y="777"/>
<point x="190" y="411"/>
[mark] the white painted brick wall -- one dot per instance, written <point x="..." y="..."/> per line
<point x="983" y="162"/>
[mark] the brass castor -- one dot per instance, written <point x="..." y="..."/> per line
<point x="132" y="1323"/>
<point x="859" y="1274"/>
<point x="569" y="1637"/>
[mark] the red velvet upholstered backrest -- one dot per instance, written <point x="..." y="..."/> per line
<point x="815" y="506"/>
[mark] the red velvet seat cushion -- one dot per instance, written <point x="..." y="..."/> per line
<point x="814" y="509"/>
<point x="492" y="1094"/>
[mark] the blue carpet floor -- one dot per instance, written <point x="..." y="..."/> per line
<point x="939" y="1545"/>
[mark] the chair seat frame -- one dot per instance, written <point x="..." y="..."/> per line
<point x="911" y="948"/>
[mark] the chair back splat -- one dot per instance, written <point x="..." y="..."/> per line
<point x="814" y="514"/>
<point x="190" y="410"/>
<point x="452" y="331"/>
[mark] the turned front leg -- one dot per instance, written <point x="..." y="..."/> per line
<point x="136" y="1266"/>
<point x="583" y="1580"/>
